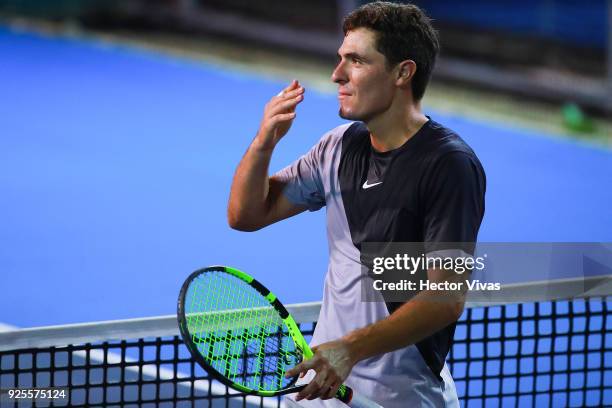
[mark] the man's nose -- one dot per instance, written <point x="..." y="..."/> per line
<point x="338" y="75"/>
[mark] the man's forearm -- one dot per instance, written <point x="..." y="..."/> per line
<point x="250" y="202"/>
<point x="422" y="316"/>
<point x="249" y="191"/>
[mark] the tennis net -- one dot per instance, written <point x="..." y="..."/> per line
<point x="543" y="353"/>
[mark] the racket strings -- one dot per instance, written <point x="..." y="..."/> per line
<point x="238" y="333"/>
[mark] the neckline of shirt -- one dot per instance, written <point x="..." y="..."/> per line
<point x="413" y="141"/>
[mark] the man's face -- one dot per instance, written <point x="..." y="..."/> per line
<point x="365" y="86"/>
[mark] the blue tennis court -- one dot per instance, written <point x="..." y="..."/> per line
<point x="116" y="165"/>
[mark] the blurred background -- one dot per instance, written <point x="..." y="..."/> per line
<point x="123" y="121"/>
<point x="547" y="62"/>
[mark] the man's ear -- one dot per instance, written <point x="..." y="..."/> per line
<point x="405" y="72"/>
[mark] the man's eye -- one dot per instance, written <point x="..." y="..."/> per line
<point x="356" y="61"/>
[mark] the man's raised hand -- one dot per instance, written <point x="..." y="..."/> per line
<point x="278" y="116"/>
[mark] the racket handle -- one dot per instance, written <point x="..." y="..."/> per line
<point x="354" y="400"/>
<point x="345" y="394"/>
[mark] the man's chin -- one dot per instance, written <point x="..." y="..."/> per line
<point x="347" y="115"/>
<point x="352" y="116"/>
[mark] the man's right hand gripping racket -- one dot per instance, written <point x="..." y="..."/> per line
<point x="242" y="335"/>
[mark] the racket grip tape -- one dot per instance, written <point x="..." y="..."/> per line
<point x="345" y="394"/>
<point x="354" y="400"/>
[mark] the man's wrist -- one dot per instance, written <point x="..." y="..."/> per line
<point x="261" y="147"/>
<point x="354" y="344"/>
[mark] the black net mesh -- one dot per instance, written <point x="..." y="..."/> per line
<point x="546" y="354"/>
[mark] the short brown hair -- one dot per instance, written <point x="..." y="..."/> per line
<point x="403" y="32"/>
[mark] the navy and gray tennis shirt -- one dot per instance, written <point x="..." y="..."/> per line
<point x="431" y="190"/>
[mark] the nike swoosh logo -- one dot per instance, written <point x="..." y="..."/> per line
<point x="366" y="185"/>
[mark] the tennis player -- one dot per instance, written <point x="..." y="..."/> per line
<point x="391" y="175"/>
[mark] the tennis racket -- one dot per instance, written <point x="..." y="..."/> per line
<point x="242" y="335"/>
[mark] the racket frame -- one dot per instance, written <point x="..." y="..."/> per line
<point x="344" y="393"/>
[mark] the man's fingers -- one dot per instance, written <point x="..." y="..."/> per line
<point x="282" y="117"/>
<point x="289" y="93"/>
<point x="289" y="96"/>
<point x="297" y="91"/>
<point x="312" y="390"/>
<point x="331" y="383"/>
<point x="288" y="105"/>
<point x="294" y="84"/>
<point x="332" y="389"/>
<point x="294" y="371"/>
<point x="303" y="367"/>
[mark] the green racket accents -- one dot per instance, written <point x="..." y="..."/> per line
<point x="235" y="328"/>
<point x="238" y="330"/>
